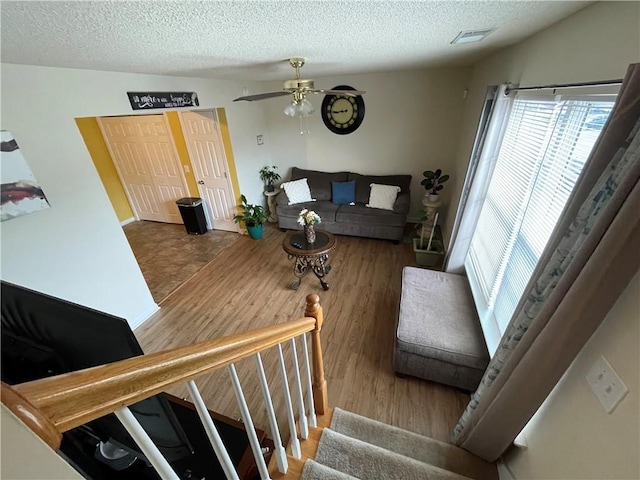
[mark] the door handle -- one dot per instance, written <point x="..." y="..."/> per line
<point x="201" y="182"/>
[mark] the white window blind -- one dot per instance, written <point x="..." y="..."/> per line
<point x="545" y="146"/>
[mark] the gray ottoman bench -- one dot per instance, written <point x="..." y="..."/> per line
<point x="439" y="337"/>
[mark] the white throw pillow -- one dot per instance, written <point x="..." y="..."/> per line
<point x="383" y="196"/>
<point x="297" y="191"/>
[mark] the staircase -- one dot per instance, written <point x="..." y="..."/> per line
<point x="349" y="446"/>
<point x="324" y="443"/>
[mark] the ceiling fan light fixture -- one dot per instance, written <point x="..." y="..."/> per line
<point x="471" y="36"/>
<point x="300" y="108"/>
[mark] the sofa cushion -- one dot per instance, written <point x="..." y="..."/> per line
<point x="324" y="208"/>
<point x="438" y="319"/>
<point x="297" y="191"/>
<point x="383" y="196"/>
<point x="363" y="183"/>
<point x="343" y="193"/>
<point x="319" y="182"/>
<point x="403" y="203"/>
<point x="363" y="215"/>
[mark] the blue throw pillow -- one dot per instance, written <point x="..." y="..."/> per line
<point x="343" y="193"/>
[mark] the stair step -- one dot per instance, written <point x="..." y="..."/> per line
<point x="424" y="449"/>
<point x="316" y="471"/>
<point x="365" y="461"/>
<point x="308" y="448"/>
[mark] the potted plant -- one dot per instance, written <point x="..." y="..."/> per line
<point x="429" y="253"/>
<point x="253" y="216"/>
<point x="433" y="183"/>
<point x="268" y="175"/>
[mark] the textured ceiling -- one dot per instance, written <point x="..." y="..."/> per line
<point x="251" y="40"/>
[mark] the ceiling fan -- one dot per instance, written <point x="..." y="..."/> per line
<point x="299" y="88"/>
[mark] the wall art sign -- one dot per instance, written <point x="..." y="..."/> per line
<point x="19" y="189"/>
<point x="149" y="100"/>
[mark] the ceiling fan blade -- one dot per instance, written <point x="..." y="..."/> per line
<point x="262" y="96"/>
<point x="349" y="93"/>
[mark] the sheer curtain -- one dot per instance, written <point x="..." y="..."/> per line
<point x="483" y="160"/>
<point x="590" y="258"/>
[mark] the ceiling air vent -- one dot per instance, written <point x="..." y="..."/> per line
<point x="471" y="36"/>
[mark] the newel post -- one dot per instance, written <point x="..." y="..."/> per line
<point x="319" y="383"/>
<point x="31" y="416"/>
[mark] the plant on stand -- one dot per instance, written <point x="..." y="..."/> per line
<point x="253" y="216"/>
<point x="308" y="218"/>
<point x="269" y="176"/>
<point x="433" y="183"/>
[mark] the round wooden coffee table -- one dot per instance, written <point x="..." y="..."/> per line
<point x="310" y="257"/>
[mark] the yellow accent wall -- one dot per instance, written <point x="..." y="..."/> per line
<point x="99" y="152"/>
<point x="228" y="151"/>
<point x="183" y="153"/>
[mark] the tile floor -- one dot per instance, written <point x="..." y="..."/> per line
<point x="168" y="256"/>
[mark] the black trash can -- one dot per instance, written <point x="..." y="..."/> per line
<point x="192" y="212"/>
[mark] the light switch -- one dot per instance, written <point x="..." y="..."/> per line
<point x="606" y="385"/>
<point x="260" y="139"/>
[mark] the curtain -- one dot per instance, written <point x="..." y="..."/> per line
<point x="483" y="160"/>
<point x="591" y="257"/>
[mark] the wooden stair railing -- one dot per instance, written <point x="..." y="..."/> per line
<point x="54" y="405"/>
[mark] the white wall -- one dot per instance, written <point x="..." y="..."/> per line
<point x="412" y="123"/>
<point x="596" y="43"/>
<point x="20" y="446"/>
<point x="76" y="250"/>
<point x="571" y="436"/>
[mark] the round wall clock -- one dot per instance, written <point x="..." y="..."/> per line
<point x="342" y="114"/>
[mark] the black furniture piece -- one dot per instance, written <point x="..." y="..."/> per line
<point x="192" y="213"/>
<point x="44" y="336"/>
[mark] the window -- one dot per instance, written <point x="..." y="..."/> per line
<point x="546" y="144"/>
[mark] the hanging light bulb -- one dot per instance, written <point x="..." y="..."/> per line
<point x="306" y="108"/>
<point x="291" y="109"/>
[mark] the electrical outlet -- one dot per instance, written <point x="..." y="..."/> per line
<point x="260" y="139"/>
<point x="186" y="168"/>
<point x="606" y="385"/>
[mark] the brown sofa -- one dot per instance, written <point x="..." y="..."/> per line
<point x="356" y="220"/>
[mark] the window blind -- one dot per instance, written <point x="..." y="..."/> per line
<point x="546" y="144"/>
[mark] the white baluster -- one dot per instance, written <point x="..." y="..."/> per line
<point x="145" y="443"/>
<point x="212" y="432"/>
<point x="312" y="409"/>
<point x="295" y="443"/>
<point x="248" y="423"/>
<point x="280" y="453"/>
<point x="304" y="427"/>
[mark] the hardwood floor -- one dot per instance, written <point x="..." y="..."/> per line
<point x="247" y="286"/>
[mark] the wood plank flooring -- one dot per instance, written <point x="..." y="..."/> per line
<point x="247" y="286"/>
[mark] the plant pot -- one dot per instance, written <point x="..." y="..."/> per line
<point x="255" y="232"/>
<point x="270" y="188"/>
<point x="431" y="257"/>
<point x="433" y="197"/>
